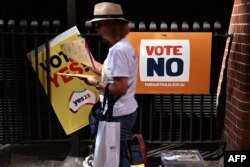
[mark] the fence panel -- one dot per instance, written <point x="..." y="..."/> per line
<point x="26" y="114"/>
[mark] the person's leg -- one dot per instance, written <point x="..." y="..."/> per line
<point x="127" y="123"/>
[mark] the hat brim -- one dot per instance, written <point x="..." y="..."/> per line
<point x="103" y="19"/>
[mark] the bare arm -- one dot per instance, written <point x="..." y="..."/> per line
<point x="97" y="67"/>
<point x="118" y="87"/>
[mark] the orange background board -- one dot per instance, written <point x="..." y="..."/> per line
<point x="199" y="69"/>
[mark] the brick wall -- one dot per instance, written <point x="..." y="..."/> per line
<point x="237" y="114"/>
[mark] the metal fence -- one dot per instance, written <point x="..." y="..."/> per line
<point x="26" y="115"/>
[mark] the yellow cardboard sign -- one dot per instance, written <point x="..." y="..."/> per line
<point x="71" y="98"/>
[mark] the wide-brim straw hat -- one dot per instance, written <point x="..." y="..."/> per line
<point x="107" y="11"/>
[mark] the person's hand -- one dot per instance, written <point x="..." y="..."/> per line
<point x="89" y="80"/>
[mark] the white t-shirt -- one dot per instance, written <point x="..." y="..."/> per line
<point x="121" y="61"/>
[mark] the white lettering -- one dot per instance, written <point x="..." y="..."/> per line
<point x="243" y="157"/>
<point x="231" y="158"/>
<point x="236" y="158"/>
<point x="164" y="60"/>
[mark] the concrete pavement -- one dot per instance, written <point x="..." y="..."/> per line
<point x="56" y="155"/>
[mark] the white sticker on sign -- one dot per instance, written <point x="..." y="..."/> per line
<point x="165" y="60"/>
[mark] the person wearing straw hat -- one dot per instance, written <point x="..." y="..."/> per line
<point x="119" y="69"/>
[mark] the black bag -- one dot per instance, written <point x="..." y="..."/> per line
<point x="94" y="116"/>
<point x="96" y="113"/>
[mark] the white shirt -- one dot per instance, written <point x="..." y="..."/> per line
<point x="121" y="61"/>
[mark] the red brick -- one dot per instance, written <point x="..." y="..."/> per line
<point x="243" y="124"/>
<point x="230" y="83"/>
<point x="244" y="68"/>
<point x="247" y="9"/>
<point x="235" y="10"/>
<point x="238" y="144"/>
<point x="229" y="95"/>
<point x="242" y="105"/>
<point x="246" y="144"/>
<point x="240" y="2"/>
<point x="234" y="19"/>
<point x="233" y="139"/>
<point x="245" y="134"/>
<point x="228" y="140"/>
<point x="243" y="115"/>
<point x="233" y="101"/>
<point x="242" y="57"/>
<point x="243" y="19"/>
<point x="237" y="2"/>
<point x="235" y="146"/>
<point x="245" y="87"/>
<point x="231" y="133"/>
<point x="245" y="78"/>
<point x="242" y="38"/>
<point x="231" y="116"/>
<point x="228" y="123"/>
<point x="234" y="84"/>
<point x="242" y="96"/>
<point x="240" y="16"/>
<point x="241" y="49"/>
<point x="229" y="107"/>
<point x="241" y="9"/>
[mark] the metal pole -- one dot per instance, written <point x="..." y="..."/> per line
<point x="74" y="139"/>
<point x="71" y="13"/>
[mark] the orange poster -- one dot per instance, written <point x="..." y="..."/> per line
<point x="173" y="62"/>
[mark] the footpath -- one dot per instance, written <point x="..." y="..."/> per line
<point x="45" y="155"/>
